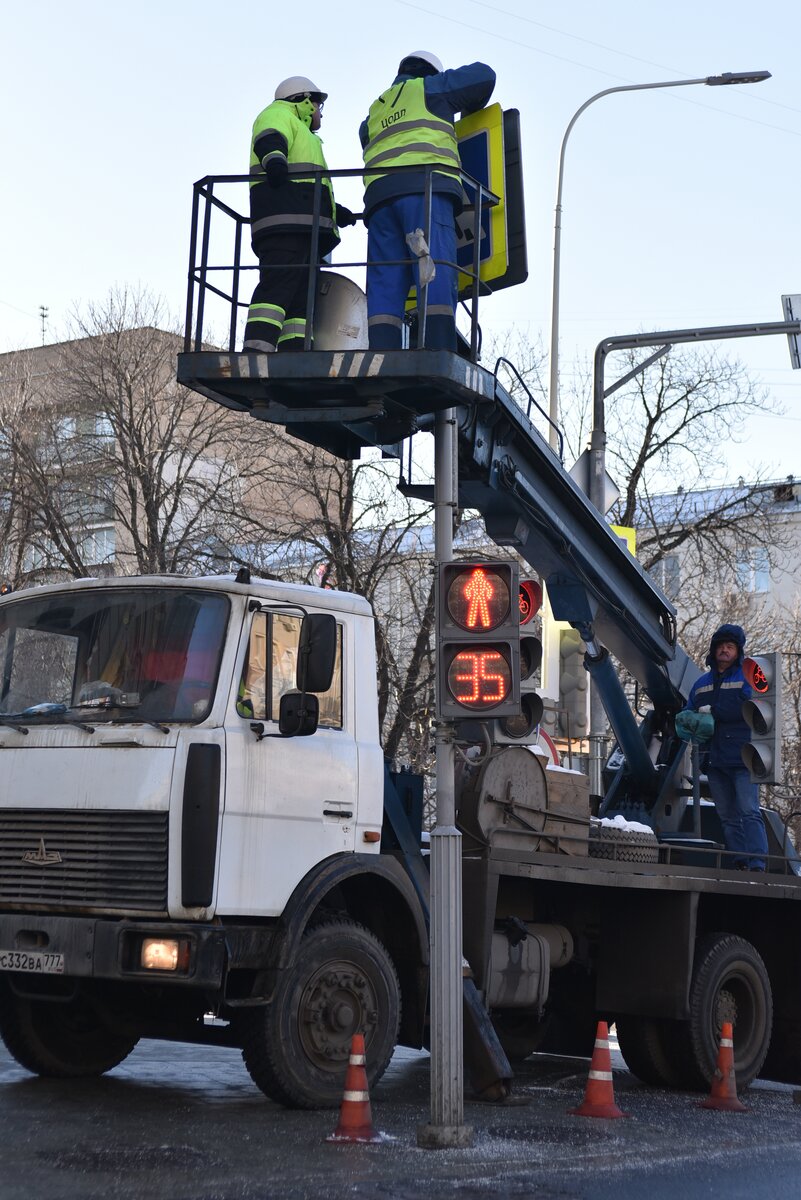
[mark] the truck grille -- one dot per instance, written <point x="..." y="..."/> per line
<point x="85" y="859"/>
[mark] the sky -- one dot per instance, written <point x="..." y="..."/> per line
<point x="679" y="207"/>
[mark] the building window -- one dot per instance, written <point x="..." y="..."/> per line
<point x="753" y="571"/>
<point x="98" y="546"/>
<point x="667" y="574"/>
<point x="87" y="435"/>
<point x="41" y="555"/>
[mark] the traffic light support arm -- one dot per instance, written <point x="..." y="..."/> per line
<point x="665" y="339"/>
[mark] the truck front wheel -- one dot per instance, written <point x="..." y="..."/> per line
<point x="342" y="982"/>
<point x="62" y="1040"/>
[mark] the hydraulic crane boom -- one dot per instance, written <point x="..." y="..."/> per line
<point x="508" y="473"/>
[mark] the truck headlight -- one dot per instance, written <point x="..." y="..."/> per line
<point x="165" y="954"/>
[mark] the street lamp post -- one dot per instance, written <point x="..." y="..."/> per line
<point x="730" y="77"/>
<point x="597" y="450"/>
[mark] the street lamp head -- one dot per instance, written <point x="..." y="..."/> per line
<point x="737" y="77"/>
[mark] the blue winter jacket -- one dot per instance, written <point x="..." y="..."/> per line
<point x="461" y="90"/>
<point x="725" y="695"/>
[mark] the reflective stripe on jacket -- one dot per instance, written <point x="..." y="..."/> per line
<point x="403" y="132"/>
<point x="282" y="130"/>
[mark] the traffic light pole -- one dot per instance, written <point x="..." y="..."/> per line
<point x="664" y="340"/>
<point x="447" y="1128"/>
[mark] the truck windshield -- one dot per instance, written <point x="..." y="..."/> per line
<point x="134" y="654"/>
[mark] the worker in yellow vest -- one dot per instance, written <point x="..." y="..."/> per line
<point x="284" y="145"/>
<point x="409" y="125"/>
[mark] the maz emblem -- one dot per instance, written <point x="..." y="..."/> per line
<point x="42" y="857"/>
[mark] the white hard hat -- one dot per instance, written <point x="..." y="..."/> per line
<point x="425" y="56"/>
<point x="297" y="86"/>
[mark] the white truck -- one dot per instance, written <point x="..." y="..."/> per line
<point x="200" y="841"/>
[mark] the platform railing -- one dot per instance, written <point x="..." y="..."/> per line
<point x="204" y="274"/>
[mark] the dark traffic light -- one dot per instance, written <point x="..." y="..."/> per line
<point x="523" y="727"/>
<point x="763" y="712"/>
<point x="573" y="686"/>
<point x="478" y="640"/>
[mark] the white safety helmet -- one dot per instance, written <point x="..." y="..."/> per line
<point x="424" y="56"/>
<point x="298" y="87"/>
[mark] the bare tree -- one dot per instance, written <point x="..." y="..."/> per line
<point x="102" y="435"/>
<point x="15" y="514"/>
<point x="352" y="530"/>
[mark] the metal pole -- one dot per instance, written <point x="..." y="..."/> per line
<point x="447" y="1128"/>
<point x="695" y="758"/>
<point x="597" y="481"/>
<point x="728" y="78"/>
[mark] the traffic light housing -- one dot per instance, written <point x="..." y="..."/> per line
<point x="573" y="717"/>
<point x="522" y="727"/>
<point x="478" y="640"/>
<point x="763" y="714"/>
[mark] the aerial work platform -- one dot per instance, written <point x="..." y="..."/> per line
<point x="342" y="400"/>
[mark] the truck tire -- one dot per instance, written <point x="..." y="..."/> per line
<point x="730" y="983"/>
<point x="622" y="845"/>
<point x="59" y="1040"/>
<point x="342" y="982"/>
<point x="646" y="1045"/>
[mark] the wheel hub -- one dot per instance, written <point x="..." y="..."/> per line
<point x="337" y="1003"/>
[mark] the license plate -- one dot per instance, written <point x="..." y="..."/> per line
<point x="42" y="962"/>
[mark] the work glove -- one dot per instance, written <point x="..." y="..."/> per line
<point x="277" y="172"/>
<point x="345" y="216"/>
<point x="694" y="726"/>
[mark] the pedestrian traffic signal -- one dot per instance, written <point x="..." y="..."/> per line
<point x="573" y="716"/>
<point x="478" y="640"/>
<point x="522" y="727"/>
<point x="763" y="713"/>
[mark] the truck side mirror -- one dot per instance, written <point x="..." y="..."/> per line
<point x="298" y="714"/>
<point x="317" y="651"/>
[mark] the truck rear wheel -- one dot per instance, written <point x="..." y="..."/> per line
<point x="730" y="983"/>
<point x="342" y="982"/>
<point x="646" y="1045"/>
<point x="61" y="1040"/>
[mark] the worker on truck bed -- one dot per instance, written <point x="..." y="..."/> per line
<point x="283" y="147"/>
<point x="720" y="694"/>
<point x="411" y="124"/>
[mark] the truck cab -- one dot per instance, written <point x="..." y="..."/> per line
<point x="169" y="831"/>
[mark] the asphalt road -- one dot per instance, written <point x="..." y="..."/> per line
<point x="186" y="1123"/>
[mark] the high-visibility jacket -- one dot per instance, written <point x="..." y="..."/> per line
<point x="402" y="131"/>
<point x="282" y="130"/>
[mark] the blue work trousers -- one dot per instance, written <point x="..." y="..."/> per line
<point x="392" y="271"/>
<point x="737" y="803"/>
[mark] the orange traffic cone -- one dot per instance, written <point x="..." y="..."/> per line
<point x="724" y="1085"/>
<point x="355" y="1116"/>
<point x="599" y="1097"/>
